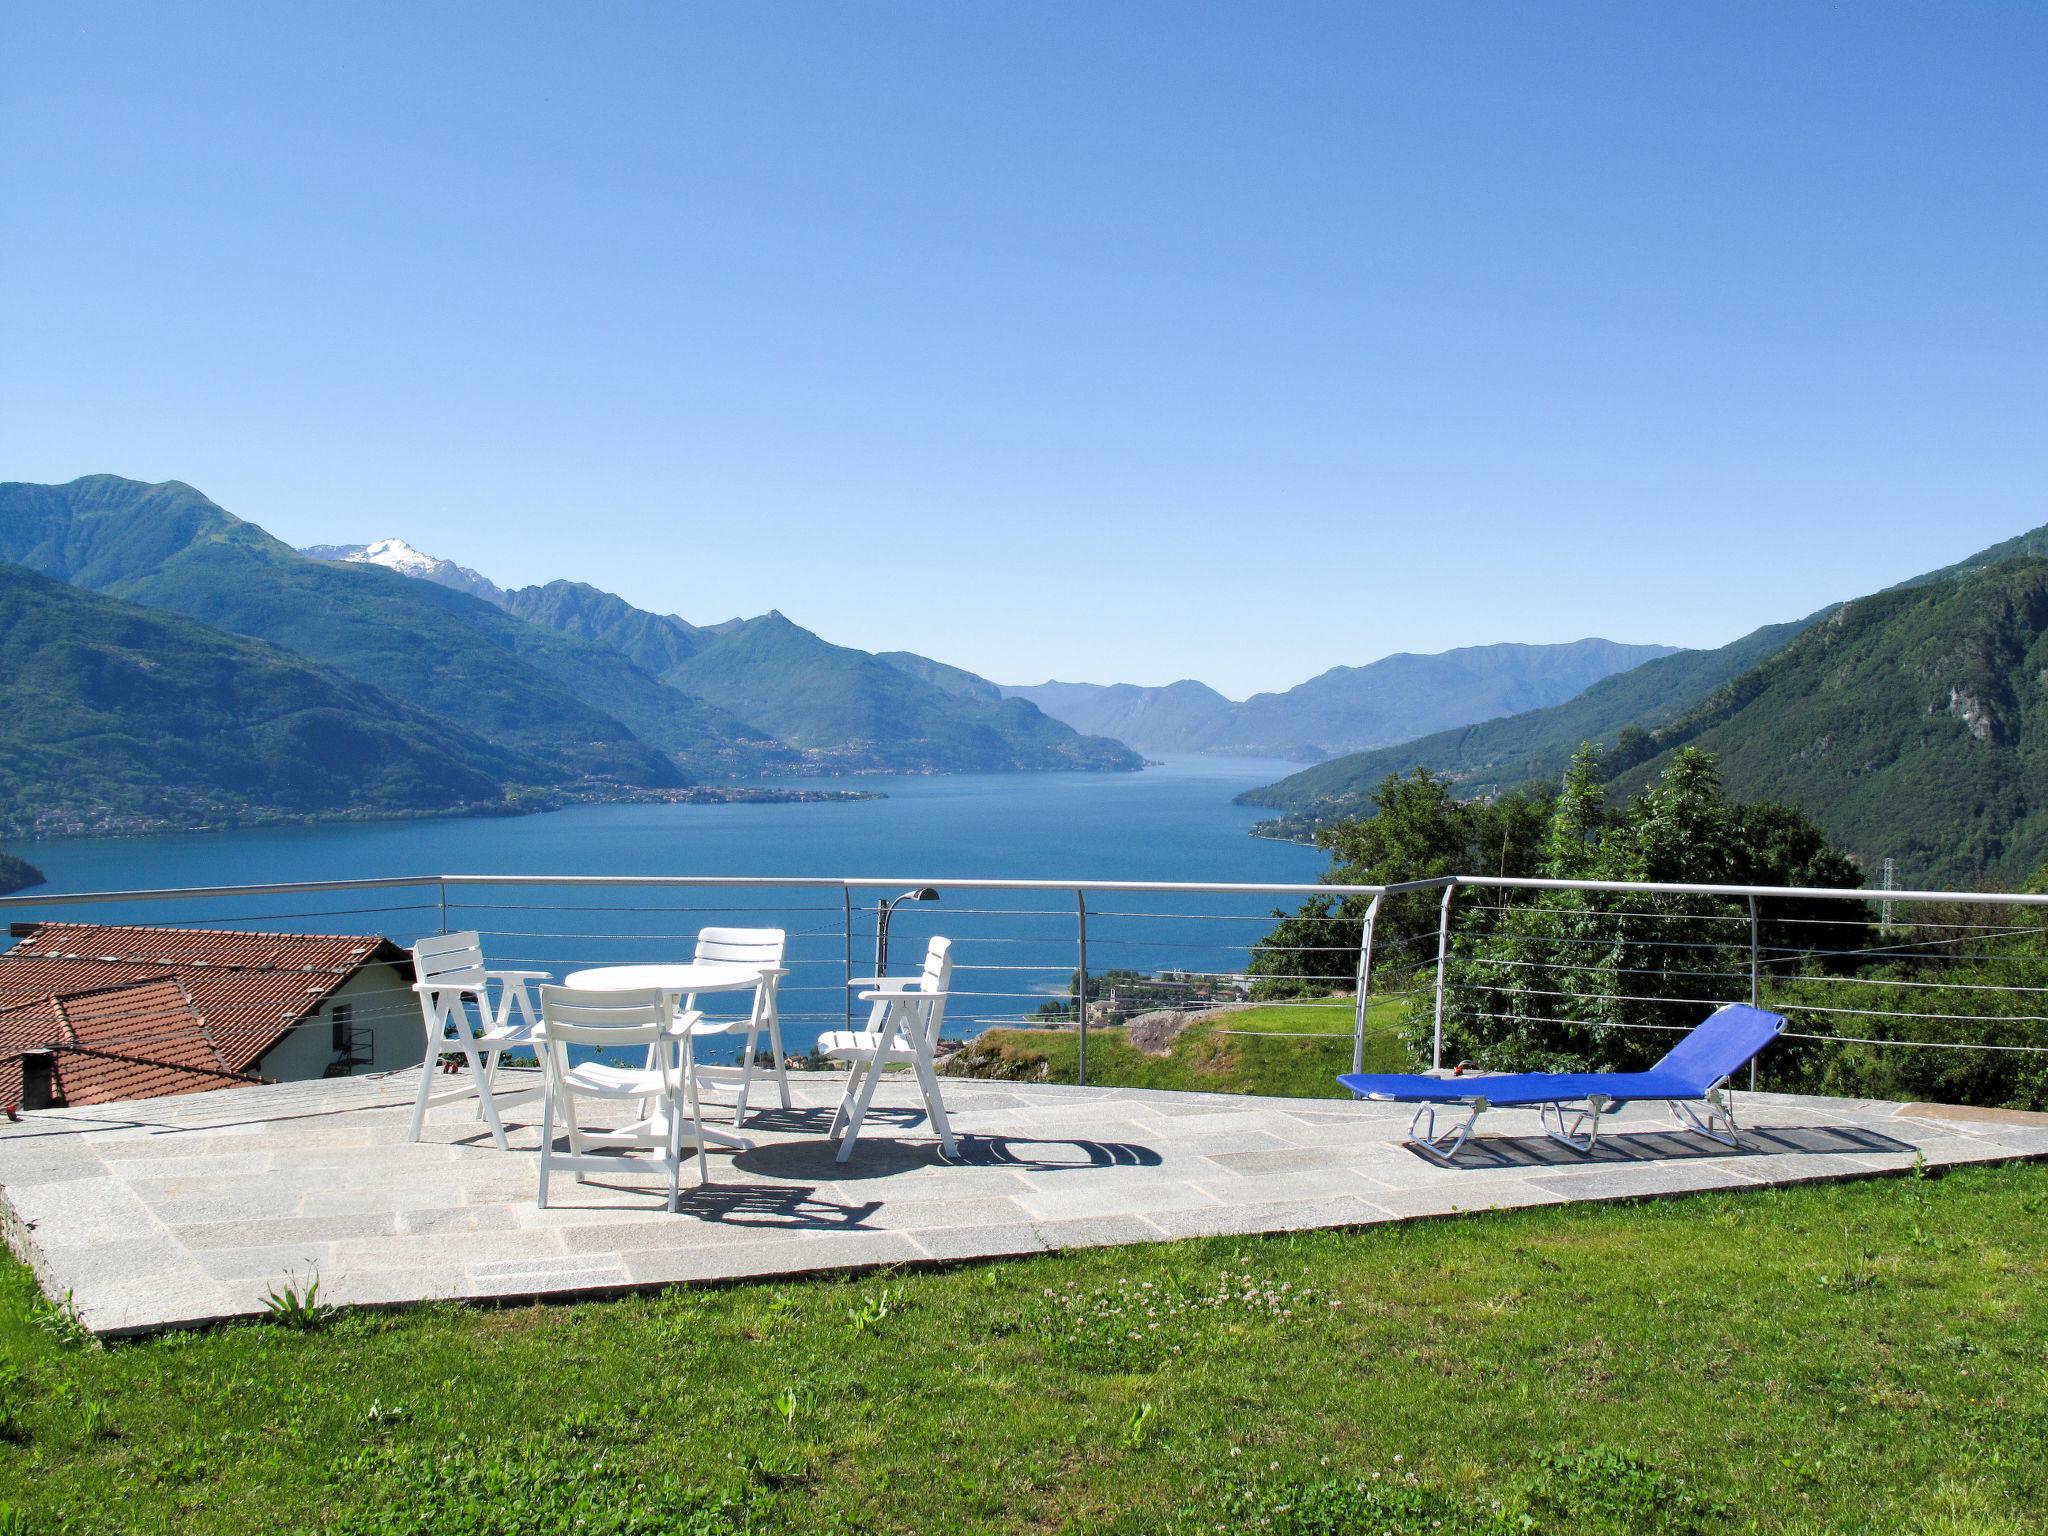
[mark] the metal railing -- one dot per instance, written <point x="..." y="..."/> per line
<point x="1027" y="952"/>
<point x="1504" y="953"/>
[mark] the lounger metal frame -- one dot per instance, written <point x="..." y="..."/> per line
<point x="1575" y="1123"/>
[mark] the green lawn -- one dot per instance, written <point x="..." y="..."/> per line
<point x="1259" y="1056"/>
<point x="1859" y="1357"/>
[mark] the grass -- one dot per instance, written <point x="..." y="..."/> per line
<point x="1862" y="1357"/>
<point x="1261" y="1054"/>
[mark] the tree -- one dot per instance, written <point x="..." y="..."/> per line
<point x="1605" y="980"/>
<point x="1417" y="830"/>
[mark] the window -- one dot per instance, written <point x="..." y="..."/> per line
<point x="344" y="1015"/>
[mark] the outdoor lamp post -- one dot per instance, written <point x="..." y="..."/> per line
<point x="888" y="910"/>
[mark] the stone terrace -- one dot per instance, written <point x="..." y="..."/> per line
<point x="184" y="1211"/>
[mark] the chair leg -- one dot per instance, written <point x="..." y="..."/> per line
<point x="775" y="1045"/>
<point x="696" y="1110"/>
<point x="739" y="1107"/>
<point x="547" y="1144"/>
<point x="675" y="1153"/>
<point x="860" y="1110"/>
<point x="576" y="1148"/>
<point x="419" y="1104"/>
<point x="935" y="1108"/>
<point x="486" y="1103"/>
<point x="846" y="1097"/>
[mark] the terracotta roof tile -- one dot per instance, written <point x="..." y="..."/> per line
<point x="140" y="1012"/>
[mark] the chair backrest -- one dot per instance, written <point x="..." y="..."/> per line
<point x="741" y="946"/>
<point x="935" y="976"/>
<point x="450" y="960"/>
<point x="577" y="1016"/>
<point x="1720" y="1045"/>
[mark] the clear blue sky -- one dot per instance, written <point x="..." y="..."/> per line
<point x="1104" y="341"/>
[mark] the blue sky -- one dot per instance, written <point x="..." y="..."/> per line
<point x="1116" y="342"/>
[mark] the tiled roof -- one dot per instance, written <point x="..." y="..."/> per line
<point x="142" y="1012"/>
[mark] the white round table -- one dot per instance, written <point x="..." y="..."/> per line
<point x="686" y="980"/>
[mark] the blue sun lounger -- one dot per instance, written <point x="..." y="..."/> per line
<point x="1694" y="1072"/>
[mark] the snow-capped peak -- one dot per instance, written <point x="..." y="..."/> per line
<point x="397" y="555"/>
<point x="401" y="556"/>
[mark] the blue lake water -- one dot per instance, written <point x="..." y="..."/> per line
<point x="1172" y="822"/>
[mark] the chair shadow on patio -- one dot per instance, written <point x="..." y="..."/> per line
<point x="1497" y="1152"/>
<point x="767" y="1207"/>
<point x="884" y="1156"/>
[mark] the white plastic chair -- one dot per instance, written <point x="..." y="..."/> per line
<point x="903" y="1031"/>
<point x="631" y="1021"/>
<point x="758" y="950"/>
<point x="450" y="980"/>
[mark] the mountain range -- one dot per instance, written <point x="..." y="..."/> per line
<point x="1346" y="709"/>
<point x="840" y="708"/>
<point x="118" y="716"/>
<point x="550" y="690"/>
<point x="1909" y="724"/>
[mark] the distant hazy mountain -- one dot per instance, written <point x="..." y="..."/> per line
<point x="842" y="708"/>
<point x="114" y="716"/>
<point x="1181" y="717"/>
<point x="1346" y="708"/>
<point x="1500" y="753"/>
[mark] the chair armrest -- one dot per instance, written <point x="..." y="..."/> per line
<point x="520" y="975"/>
<point x="881" y="993"/>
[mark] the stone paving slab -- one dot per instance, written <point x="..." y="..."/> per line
<point x="187" y="1211"/>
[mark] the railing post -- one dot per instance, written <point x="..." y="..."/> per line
<point x="1443" y="953"/>
<point x="1756" y="990"/>
<point x="1364" y="984"/>
<point x="1081" y="987"/>
<point x="443" y="884"/>
<point x="846" y="992"/>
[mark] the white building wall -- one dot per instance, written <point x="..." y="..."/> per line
<point x="381" y="1001"/>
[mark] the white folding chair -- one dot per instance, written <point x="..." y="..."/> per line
<point x="758" y="950"/>
<point x="450" y="980"/>
<point x="903" y="1031"/>
<point x="629" y="1021"/>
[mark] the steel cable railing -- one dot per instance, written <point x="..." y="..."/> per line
<point x="1505" y="961"/>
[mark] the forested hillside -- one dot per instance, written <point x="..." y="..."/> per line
<point x="1912" y="723"/>
<point x="114" y="716"/>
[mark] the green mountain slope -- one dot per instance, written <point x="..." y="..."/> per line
<point x="1496" y="754"/>
<point x="1912" y="723"/>
<point x="114" y="715"/>
<point x="1501" y="753"/>
<point x="17" y="874"/>
<point x="548" y="695"/>
<point x="859" y="712"/>
<point x="949" y="679"/>
<point x="654" y="642"/>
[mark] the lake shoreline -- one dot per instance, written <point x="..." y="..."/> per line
<point x="254" y="820"/>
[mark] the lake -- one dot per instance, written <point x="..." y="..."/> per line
<point x="1170" y="822"/>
